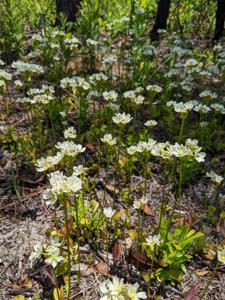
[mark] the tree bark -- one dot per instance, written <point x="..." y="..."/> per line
<point x="220" y="19"/>
<point x="69" y="8"/>
<point x="161" y="18"/>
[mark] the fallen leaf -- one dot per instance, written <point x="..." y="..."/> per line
<point x="84" y="269"/>
<point x="222" y="228"/>
<point x="148" y="211"/>
<point x="117" y="251"/>
<point x="101" y="267"/>
<point x="140" y="259"/>
<point x="90" y="147"/>
<point x="202" y="272"/>
<point x="192" y="294"/>
<point x="210" y="254"/>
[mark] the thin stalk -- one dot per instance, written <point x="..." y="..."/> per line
<point x="145" y="174"/>
<point x="178" y="198"/>
<point x="181" y="129"/>
<point x="78" y="237"/>
<point x="68" y="248"/>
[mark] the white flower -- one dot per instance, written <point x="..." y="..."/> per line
<point x="152" y="241"/>
<point x="150" y="123"/>
<point x="70" y="133"/>
<point x="62" y="114"/>
<point x="98" y="77"/>
<point x="191" y="63"/>
<point x="37" y="251"/>
<point x="221" y="255"/>
<point x="202" y="108"/>
<point x="162" y="150"/>
<point x="75" y="83"/>
<point x="74" y="183"/>
<point x="146" y="146"/>
<point x="108" y="139"/>
<point x="118" y="290"/>
<point x="132" y="150"/>
<point x="27" y="68"/>
<point x="5" y="75"/>
<point x="43" y="164"/>
<point x="181" y="107"/>
<point x="110" y="59"/>
<point x="114" y="106"/>
<point x="54" y="257"/>
<point x="110" y="96"/>
<point x="108" y="212"/>
<point x="122" y="118"/>
<point x="140" y="203"/>
<point x="133" y="294"/>
<point x="214" y="177"/>
<point x="218" y="108"/>
<point x="154" y="88"/>
<point x="208" y="94"/>
<point x="1" y="62"/>
<point x="69" y="148"/>
<point x="18" y="83"/>
<point x="112" y="290"/>
<point x="138" y="99"/>
<point x="79" y="170"/>
<point x="61" y="184"/>
<point x="129" y="94"/>
<point x="91" y="42"/>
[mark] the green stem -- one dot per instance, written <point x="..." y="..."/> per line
<point x="178" y="198"/>
<point x="78" y="237"/>
<point x="145" y="174"/>
<point x="181" y="129"/>
<point x="68" y="247"/>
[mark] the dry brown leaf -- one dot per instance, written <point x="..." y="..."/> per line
<point x="84" y="269"/>
<point x="210" y="254"/>
<point x="202" y="272"/>
<point x="90" y="147"/>
<point x="117" y="250"/>
<point x="148" y="211"/>
<point x="140" y="259"/>
<point x="101" y="267"/>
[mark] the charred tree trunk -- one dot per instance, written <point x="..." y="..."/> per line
<point x="220" y="19"/>
<point x="69" y="8"/>
<point x="161" y="18"/>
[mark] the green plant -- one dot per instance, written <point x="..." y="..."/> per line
<point x="173" y="255"/>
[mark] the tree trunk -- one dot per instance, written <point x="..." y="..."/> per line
<point x="220" y="19"/>
<point x="69" y="8"/>
<point x="161" y="18"/>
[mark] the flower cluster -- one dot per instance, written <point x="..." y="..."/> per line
<point x="118" y="290"/>
<point x="24" y="69"/>
<point x="214" y="177"/>
<point x="61" y="185"/>
<point x="122" y="118"/>
<point x="108" y="139"/>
